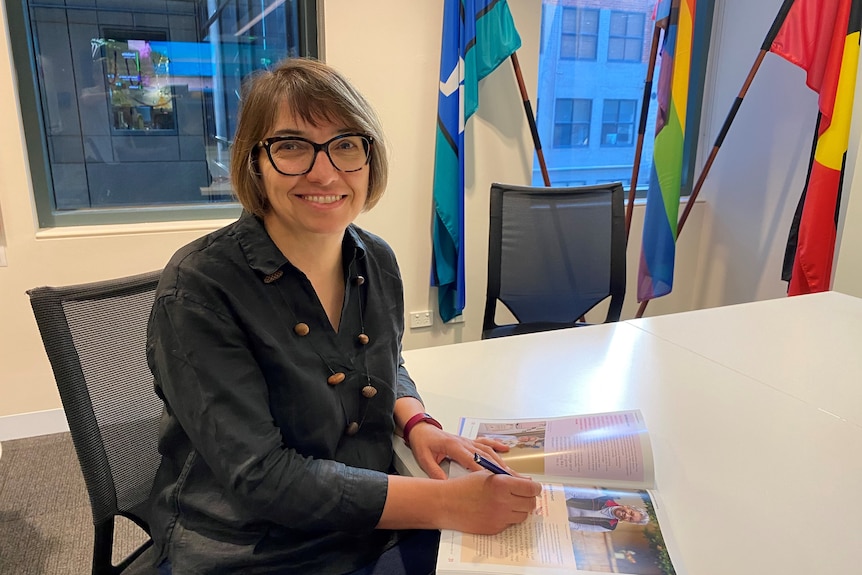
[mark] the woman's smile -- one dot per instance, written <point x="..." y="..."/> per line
<point x="321" y="199"/>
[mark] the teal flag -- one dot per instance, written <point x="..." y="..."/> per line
<point x="478" y="35"/>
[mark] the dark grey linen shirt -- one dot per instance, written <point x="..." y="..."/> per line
<point x="258" y="474"/>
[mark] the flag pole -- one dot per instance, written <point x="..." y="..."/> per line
<point x="528" y="110"/>
<point x="642" y="126"/>
<point x="731" y="115"/>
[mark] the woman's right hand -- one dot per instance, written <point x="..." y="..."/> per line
<point x="485" y="503"/>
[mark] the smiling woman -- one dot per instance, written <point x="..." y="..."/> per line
<point x="276" y="345"/>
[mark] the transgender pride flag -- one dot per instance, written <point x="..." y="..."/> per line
<point x="655" y="273"/>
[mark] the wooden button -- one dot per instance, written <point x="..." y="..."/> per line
<point x="358" y="280"/>
<point x="362" y="338"/>
<point x="352" y="429"/>
<point x="369" y="391"/>
<point x="335" y="378"/>
<point x="301" y="329"/>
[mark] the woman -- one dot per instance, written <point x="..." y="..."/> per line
<point x="276" y="345"/>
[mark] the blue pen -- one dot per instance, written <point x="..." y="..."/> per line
<point x="489" y="465"/>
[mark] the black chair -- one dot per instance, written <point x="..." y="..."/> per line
<point x="553" y="254"/>
<point x="95" y="337"/>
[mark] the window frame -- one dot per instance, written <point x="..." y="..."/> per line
<point x="578" y="34"/>
<point x="626" y="37"/>
<point x="36" y="143"/>
<point x="572" y="123"/>
<point x="617" y="123"/>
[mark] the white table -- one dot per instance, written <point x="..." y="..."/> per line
<point x="751" y="478"/>
<point x="807" y="346"/>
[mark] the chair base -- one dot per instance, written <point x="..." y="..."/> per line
<point x="138" y="561"/>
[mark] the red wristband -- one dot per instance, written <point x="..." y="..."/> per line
<point x="414" y="421"/>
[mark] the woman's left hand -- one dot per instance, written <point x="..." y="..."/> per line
<point x="431" y="446"/>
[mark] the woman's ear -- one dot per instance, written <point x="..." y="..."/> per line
<point x="254" y="165"/>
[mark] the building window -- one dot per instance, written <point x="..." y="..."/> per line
<point x="132" y="108"/>
<point x="580" y="33"/>
<point x="626" y="37"/>
<point x="618" y="122"/>
<point x="572" y="123"/>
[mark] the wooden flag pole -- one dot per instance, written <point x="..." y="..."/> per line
<point x="528" y="110"/>
<point x="720" y="140"/>
<point x="642" y="126"/>
<point x="714" y="152"/>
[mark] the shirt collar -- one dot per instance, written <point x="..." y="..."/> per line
<point x="264" y="256"/>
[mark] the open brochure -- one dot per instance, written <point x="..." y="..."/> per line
<point x="595" y="513"/>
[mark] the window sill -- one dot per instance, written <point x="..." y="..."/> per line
<point x="131" y="229"/>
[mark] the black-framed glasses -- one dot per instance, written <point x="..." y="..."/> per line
<point x="294" y="156"/>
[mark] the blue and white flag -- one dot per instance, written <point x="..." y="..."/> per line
<point x="478" y="35"/>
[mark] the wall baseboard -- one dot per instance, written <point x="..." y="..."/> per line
<point x="32" y="424"/>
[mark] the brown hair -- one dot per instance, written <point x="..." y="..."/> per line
<point x="315" y="93"/>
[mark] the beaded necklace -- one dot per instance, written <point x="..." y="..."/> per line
<point x="302" y="329"/>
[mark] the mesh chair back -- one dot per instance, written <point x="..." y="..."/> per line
<point x="95" y="338"/>
<point x="554" y="253"/>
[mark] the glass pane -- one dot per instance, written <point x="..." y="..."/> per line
<point x="570" y="21"/>
<point x="562" y="135"/>
<point x="581" y="135"/>
<point x="616" y="49"/>
<point x="587" y="47"/>
<point x="627" y="110"/>
<point x="635" y="25"/>
<point x="610" y="112"/>
<point x="624" y="134"/>
<point x="633" y="50"/>
<point x="582" y="110"/>
<point x="569" y="46"/>
<point x="563" y="112"/>
<point x="134" y="98"/>
<point x="590" y="22"/>
<point x="618" y="24"/>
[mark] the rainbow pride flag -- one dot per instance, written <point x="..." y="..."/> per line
<point x="658" y="248"/>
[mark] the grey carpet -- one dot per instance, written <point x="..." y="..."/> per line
<point x="46" y="527"/>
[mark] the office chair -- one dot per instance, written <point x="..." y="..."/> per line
<point x="553" y="254"/>
<point x="95" y="337"/>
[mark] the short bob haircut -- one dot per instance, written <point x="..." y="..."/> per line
<point x="314" y="93"/>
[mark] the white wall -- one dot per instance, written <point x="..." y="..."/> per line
<point x="758" y="175"/>
<point x="730" y="251"/>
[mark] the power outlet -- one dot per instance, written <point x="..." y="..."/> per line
<point x="421" y="319"/>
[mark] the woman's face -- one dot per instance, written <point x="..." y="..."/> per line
<point x="626" y="513"/>
<point x="322" y="202"/>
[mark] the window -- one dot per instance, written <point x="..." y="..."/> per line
<point x="588" y="105"/>
<point x="572" y="123"/>
<point x="618" y="122"/>
<point x="133" y="103"/>
<point x="580" y="33"/>
<point x="626" y="37"/>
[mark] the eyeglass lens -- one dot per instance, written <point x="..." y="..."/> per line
<point x="296" y="156"/>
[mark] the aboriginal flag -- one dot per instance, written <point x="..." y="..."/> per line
<point x="822" y="37"/>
